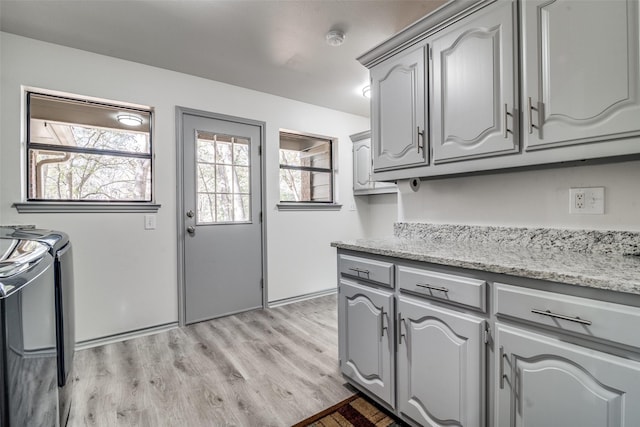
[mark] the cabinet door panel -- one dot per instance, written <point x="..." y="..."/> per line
<point x="440" y="365"/>
<point x="398" y="111"/>
<point x="581" y="71"/>
<point x="366" y="338"/>
<point x="549" y="382"/>
<point x="474" y="96"/>
<point x="361" y="165"/>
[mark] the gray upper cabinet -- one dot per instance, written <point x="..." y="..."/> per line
<point x="508" y="84"/>
<point x="596" y="389"/>
<point x="440" y="365"/>
<point x="366" y="338"/>
<point x="474" y="96"/>
<point x="580" y="71"/>
<point x="398" y="111"/>
<point x="363" y="183"/>
<point x="361" y="166"/>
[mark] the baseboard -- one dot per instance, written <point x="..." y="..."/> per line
<point x="291" y="300"/>
<point x="110" y="339"/>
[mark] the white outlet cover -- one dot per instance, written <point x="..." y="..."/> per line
<point x="591" y="201"/>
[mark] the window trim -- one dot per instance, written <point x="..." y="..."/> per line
<point x="308" y="205"/>
<point x="27" y="205"/>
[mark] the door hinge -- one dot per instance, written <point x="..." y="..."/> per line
<point x="430" y="53"/>
<point x="261" y="217"/>
<point x="261" y="283"/>
<point x="259" y="150"/>
<point x="485" y="334"/>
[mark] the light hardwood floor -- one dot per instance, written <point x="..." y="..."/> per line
<point x="270" y="367"/>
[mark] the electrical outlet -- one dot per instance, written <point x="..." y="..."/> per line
<point x="586" y="200"/>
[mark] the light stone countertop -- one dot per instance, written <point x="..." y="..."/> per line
<point x="609" y="271"/>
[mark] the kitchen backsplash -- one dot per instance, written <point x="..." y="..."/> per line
<point x="585" y="241"/>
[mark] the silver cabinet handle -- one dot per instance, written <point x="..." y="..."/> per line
<point x="420" y="134"/>
<point x="530" y="110"/>
<point x="506" y="122"/>
<point x="359" y="270"/>
<point x="382" y="327"/>
<point x="530" y="115"/>
<point x="433" y="288"/>
<point x="502" y="374"/>
<point x="191" y="229"/>
<point x="401" y="321"/>
<point x="561" y="316"/>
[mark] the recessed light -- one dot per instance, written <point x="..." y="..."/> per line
<point x="129" y="120"/>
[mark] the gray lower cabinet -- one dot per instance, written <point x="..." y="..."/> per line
<point x="366" y="337"/>
<point x="543" y="381"/>
<point x="419" y="339"/>
<point x="441" y="365"/>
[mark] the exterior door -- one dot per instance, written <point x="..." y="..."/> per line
<point x="222" y="216"/>
<point x="440" y="365"/>
<point x="366" y="338"/>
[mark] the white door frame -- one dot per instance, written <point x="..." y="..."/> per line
<point x="180" y="213"/>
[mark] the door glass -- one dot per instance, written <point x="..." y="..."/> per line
<point x="223" y="176"/>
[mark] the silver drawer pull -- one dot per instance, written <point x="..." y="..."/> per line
<point x="433" y="288"/>
<point x="561" y="316"/>
<point x="359" y="270"/>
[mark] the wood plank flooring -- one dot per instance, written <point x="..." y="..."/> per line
<point x="270" y="367"/>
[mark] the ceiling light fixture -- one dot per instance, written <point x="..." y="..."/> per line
<point x="129" y="120"/>
<point x="335" y="38"/>
<point x="366" y="91"/>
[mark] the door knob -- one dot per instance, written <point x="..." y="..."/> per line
<point x="190" y="213"/>
<point x="191" y="229"/>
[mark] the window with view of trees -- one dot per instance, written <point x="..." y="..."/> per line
<point x="223" y="174"/>
<point x="306" y="168"/>
<point x="79" y="150"/>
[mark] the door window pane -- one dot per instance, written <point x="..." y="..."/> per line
<point x="223" y="179"/>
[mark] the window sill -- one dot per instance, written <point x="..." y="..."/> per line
<point x="85" y="207"/>
<point x="296" y="206"/>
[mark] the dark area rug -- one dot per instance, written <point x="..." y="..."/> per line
<point x="355" y="411"/>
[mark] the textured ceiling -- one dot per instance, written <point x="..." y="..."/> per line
<point x="276" y="47"/>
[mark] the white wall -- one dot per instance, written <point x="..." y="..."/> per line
<point x="125" y="275"/>
<point x="528" y="198"/>
<point x="381" y="213"/>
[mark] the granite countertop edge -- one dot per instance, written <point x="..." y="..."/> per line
<point x="610" y="278"/>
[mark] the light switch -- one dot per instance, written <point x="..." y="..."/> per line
<point x="149" y="222"/>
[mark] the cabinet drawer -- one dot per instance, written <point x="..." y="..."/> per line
<point x="598" y="319"/>
<point x="444" y="287"/>
<point x="368" y="269"/>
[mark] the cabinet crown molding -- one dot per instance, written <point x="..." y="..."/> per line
<point x="440" y="18"/>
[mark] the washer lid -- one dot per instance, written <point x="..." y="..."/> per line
<point x="20" y="262"/>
